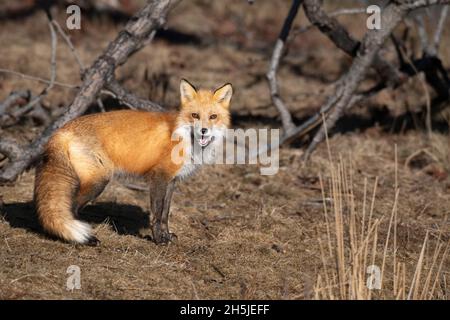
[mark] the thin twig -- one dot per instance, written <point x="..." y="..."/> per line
<point x="70" y="44"/>
<point x="38" y="79"/>
<point x="114" y="89"/>
<point x="423" y="37"/>
<point x="285" y="115"/>
<point x="50" y="85"/>
<point x="12" y="100"/>
<point x="10" y="148"/>
<point x="438" y="32"/>
<point x="337" y="13"/>
<point x="100" y="105"/>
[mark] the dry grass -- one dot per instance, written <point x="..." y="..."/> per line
<point x="358" y="263"/>
<point x="241" y="235"/>
<point x="246" y="236"/>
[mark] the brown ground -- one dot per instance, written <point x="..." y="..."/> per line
<point x="240" y="234"/>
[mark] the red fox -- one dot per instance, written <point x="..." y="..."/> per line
<point x="82" y="156"/>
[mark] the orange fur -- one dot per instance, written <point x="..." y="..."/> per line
<point x="81" y="157"/>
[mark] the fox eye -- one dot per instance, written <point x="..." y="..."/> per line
<point x="195" y="115"/>
<point x="213" y="116"/>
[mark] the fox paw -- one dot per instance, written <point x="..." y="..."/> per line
<point x="93" y="242"/>
<point x="165" y="238"/>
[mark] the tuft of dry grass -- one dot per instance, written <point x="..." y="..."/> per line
<point x="358" y="261"/>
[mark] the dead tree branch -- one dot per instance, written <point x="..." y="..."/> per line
<point x="285" y="115"/>
<point x="409" y="5"/>
<point x="113" y="88"/>
<point x="337" y="13"/>
<point x="342" y="39"/>
<point x="365" y="55"/>
<point x="10" y="116"/>
<point x="348" y="83"/>
<point x="35" y="102"/>
<point x="50" y="85"/>
<point x="70" y="45"/>
<point x="132" y="101"/>
<point x="289" y="127"/>
<point x="330" y="27"/>
<point x="372" y="42"/>
<point x="423" y="36"/>
<point x="438" y="33"/>
<point x="10" y="148"/>
<point x="38" y="79"/>
<point x="429" y="63"/>
<point x="129" y="40"/>
<point x="13" y="99"/>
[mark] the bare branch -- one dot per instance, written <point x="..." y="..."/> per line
<point x="37" y="99"/>
<point x="129" y="99"/>
<point x="345" y="96"/>
<point x="100" y="105"/>
<point x="10" y="148"/>
<point x="38" y="79"/>
<point x="129" y="40"/>
<point x="342" y="39"/>
<point x="330" y="27"/>
<point x="12" y="99"/>
<point x="337" y="13"/>
<point x="423" y="37"/>
<point x="40" y="114"/>
<point x="9" y="116"/>
<point x="70" y="45"/>
<point x="286" y="118"/>
<point x="349" y="82"/>
<point x="409" y="5"/>
<point x="114" y="87"/>
<point x="347" y="11"/>
<point x="434" y="47"/>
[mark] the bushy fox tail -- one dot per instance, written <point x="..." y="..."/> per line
<point x="55" y="192"/>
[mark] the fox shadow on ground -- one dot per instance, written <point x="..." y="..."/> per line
<point x="123" y="218"/>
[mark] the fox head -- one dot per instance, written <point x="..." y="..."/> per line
<point x="204" y="114"/>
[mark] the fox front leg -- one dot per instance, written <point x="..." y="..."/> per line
<point x="160" y="197"/>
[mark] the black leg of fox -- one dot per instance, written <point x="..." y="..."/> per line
<point x="166" y="209"/>
<point x="161" y="192"/>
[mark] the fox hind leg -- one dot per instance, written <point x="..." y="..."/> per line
<point x="67" y="179"/>
<point x="89" y="191"/>
<point x="56" y="187"/>
<point x="93" y="177"/>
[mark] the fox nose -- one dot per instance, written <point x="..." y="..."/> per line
<point x="204" y="130"/>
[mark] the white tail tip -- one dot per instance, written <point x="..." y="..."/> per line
<point x="80" y="232"/>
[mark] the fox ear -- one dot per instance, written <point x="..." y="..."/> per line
<point x="187" y="91"/>
<point x="223" y="95"/>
